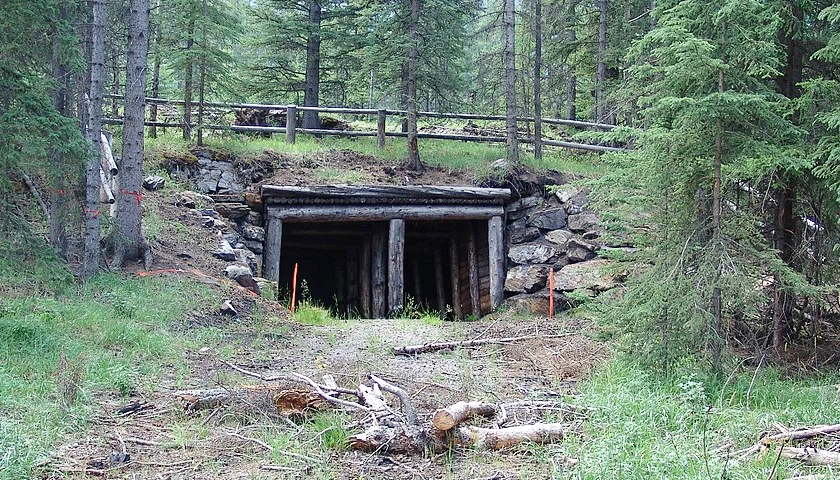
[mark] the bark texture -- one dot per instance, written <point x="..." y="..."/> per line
<point x="93" y="133"/>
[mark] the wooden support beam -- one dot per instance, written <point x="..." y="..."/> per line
<point x="380" y="275"/>
<point x="472" y="259"/>
<point x="396" y="266"/>
<point x="360" y="213"/>
<point x="365" y="277"/>
<point x="380" y="128"/>
<point x="352" y="261"/>
<point x="273" y="242"/>
<point x="439" y="287"/>
<point x="455" y="276"/>
<point x="291" y="118"/>
<point x="496" y="241"/>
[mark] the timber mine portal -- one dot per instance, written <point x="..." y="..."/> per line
<point x="373" y="251"/>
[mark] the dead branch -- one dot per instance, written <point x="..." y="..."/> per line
<point x="800" y="434"/>
<point x="408" y="408"/>
<point x="434" y="347"/>
<point x="325" y="396"/>
<point x="36" y="193"/>
<point x="811" y="456"/>
<point x="198" y="399"/>
<point x="453" y="415"/>
<point x="253" y="374"/>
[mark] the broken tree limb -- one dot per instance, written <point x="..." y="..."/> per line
<point x="434" y="347"/>
<point x="453" y="415"/>
<point x="320" y="391"/>
<point x="812" y="456"/>
<point x="33" y="189"/>
<point x="199" y="399"/>
<point x="408" y="408"/>
<point x="501" y="438"/>
<point x="800" y="434"/>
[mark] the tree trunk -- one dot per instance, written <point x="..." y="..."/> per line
<point x="188" y="84"/>
<point x="202" y="76"/>
<point x="571" y="82"/>
<point x="411" y="87"/>
<point x="153" y="108"/>
<point x="601" y="70"/>
<point x="93" y="132"/>
<point x="717" y="334"/>
<point x="537" y="79"/>
<point x="127" y="238"/>
<point x="313" y="65"/>
<point x="510" y="80"/>
<point x="58" y="195"/>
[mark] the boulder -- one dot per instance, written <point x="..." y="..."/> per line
<point x="247" y="257"/>
<point x="208" y="185"/>
<point x="531" y="253"/>
<point x="225" y="251"/>
<point x="537" y="303"/>
<point x="153" y="182"/>
<point x="254" y="246"/>
<point x="253" y="233"/>
<point x="580" y="250"/>
<point x="233" y="211"/>
<point x="243" y="276"/>
<point x="583" y="222"/>
<point x="232" y="238"/>
<point x="526" y="279"/>
<point x="559" y="237"/>
<point x="566" y="192"/>
<point x="190" y="199"/>
<point x="589" y="275"/>
<point x="550" y="219"/>
<point x="523" y="235"/>
<point x="227" y="309"/>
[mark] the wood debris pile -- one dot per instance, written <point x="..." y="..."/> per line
<point x="818" y="445"/>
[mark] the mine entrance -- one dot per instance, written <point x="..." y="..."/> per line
<point x="387" y="251"/>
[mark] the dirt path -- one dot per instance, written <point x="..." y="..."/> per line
<point x="239" y="441"/>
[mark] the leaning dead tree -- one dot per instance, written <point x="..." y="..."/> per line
<point x="393" y="425"/>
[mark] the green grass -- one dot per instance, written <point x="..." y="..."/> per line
<point x="115" y="335"/>
<point x="647" y="428"/>
<point x="450" y="155"/>
<point x="308" y="313"/>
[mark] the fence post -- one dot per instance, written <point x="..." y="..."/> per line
<point x="380" y="128"/>
<point x="291" y="118"/>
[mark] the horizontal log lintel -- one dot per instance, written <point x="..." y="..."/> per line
<point x="361" y="213"/>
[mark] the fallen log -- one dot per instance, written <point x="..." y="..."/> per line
<point x="455" y="414"/>
<point x="811" y="456"/>
<point x="285" y="401"/>
<point x="501" y="438"/>
<point x="801" y="434"/>
<point x="434" y="347"/>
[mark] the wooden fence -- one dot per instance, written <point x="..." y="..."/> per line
<point x="291" y="129"/>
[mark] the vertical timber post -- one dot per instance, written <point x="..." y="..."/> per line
<point x="380" y="128"/>
<point x="273" y="243"/>
<point x="396" y="265"/>
<point x="455" y="274"/>
<point x="291" y="118"/>
<point x="352" y="259"/>
<point x="364" y="278"/>
<point x="472" y="260"/>
<point x="496" y="241"/>
<point x="380" y="274"/>
<point x="440" y="291"/>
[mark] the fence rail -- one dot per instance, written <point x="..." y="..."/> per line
<point x="291" y="128"/>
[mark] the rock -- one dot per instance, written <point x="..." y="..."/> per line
<point x="207" y="186"/>
<point x="232" y="238"/>
<point x="153" y="182"/>
<point x="208" y="212"/>
<point x="190" y="199"/>
<point x="227" y="309"/>
<point x="520" y="208"/>
<point x="526" y="279"/>
<point x="523" y="235"/>
<point x="253" y="233"/>
<point x="551" y="219"/>
<point x="531" y="253"/>
<point x="579" y="250"/>
<point x="243" y="276"/>
<point x="588" y="275"/>
<point x="537" y="303"/>
<point x="591" y="235"/>
<point x="233" y="211"/>
<point x="254" y="246"/>
<point x="225" y="252"/>
<point x="559" y="237"/>
<point x="566" y="192"/>
<point x="247" y="257"/>
<point x="573" y="209"/>
<point x="255" y="218"/>
<point x="582" y="222"/>
<point x="207" y="222"/>
<point x="185" y="255"/>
